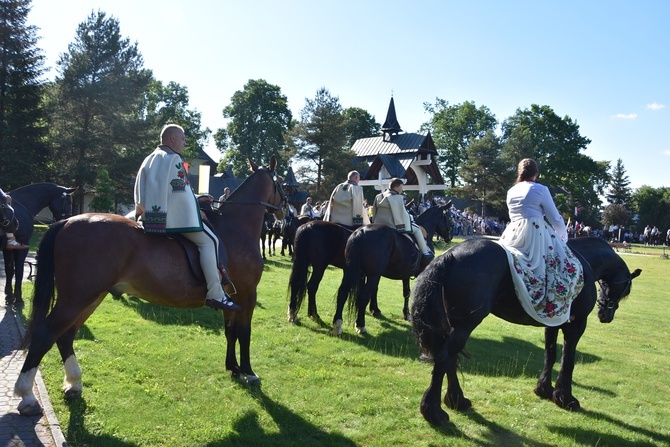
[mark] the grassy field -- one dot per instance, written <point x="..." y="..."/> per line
<point x="155" y="376"/>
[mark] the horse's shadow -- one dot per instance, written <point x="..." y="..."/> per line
<point x="293" y="429"/>
<point x="204" y="317"/>
<point x="605" y="438"/>
<point x="77" y="434"/>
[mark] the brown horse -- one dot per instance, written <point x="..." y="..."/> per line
<point x="89" y="255"/>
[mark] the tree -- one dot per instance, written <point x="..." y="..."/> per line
<point x="556" y="144"/>
<point x="320" y="139"/>
<point x="94" y="102"/>
<point x="616" y="214"/>
<point x="485" y="174"/>
<point x="359" y="124"/>
<point x="620" y="191"/>
<point x="452" y="128"/>
<point x="653" y="206"/>
<point x="260" y="120"/>
<point x="22" y="128"/>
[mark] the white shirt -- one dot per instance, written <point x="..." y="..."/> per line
<point x="527" y="200"/>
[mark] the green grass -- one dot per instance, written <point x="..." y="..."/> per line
<point x="155" y="376"/>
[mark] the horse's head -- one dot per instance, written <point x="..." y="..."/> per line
<point x="7" y="213"/>
<point x="446" y="223"/>
<point x="612" y="291"/>
<point x="61" y="205"/>
<point x="276" y="200"/>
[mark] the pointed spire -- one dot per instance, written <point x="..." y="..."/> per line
<point x="290" y="178"/>
<point x="391" y="125"/>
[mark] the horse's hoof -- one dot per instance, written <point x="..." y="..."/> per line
<point x="376" y="313"/>
<point x="544" y="392"/>
<point x="19" y="303"/>
<point x="361" y="330"/>
<point x="436" y="417"/>
<point x="249" y="379"/>
<point x="570" y="404"/>
<point x="337" y="328"/>
<point x="458" y="403"/>
<point x="72" y="393"/>
<point x="30" y="409"/>
<point x="291" y="316"/>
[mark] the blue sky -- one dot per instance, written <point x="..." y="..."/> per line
<point x="605" y="64"/>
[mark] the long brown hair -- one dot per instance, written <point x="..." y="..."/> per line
<point x="526" y="170"/>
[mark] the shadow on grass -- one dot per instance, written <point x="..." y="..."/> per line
<point x="498" y="435"/>
<point x="602" y="437"/>
<point x="77" y="434"/>
<point x="293" y="429"/>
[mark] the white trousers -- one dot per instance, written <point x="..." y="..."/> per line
<point x="418" y="237"/>
<point x="208" y="246"/>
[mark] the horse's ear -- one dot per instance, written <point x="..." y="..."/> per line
<point x="252" y="165"/>
<point x="71" y="190"/>
<point x="635" y="274"/>
<point x="273" y="163"/>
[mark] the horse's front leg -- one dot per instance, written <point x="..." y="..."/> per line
<point x="544" y="387"/>
<point x="563" y="392"/>
<point x="8" y="257"/>
<point x="242" y="329"/>
<point x="406" y="291"/>
<point x="19" y="260"/>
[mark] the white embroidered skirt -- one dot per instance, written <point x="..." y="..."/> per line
<point x="547" y="275"/>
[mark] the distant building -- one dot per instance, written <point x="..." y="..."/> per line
<point x="410" y="156"/>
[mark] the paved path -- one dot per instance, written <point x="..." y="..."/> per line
<point x="17" y="430"/>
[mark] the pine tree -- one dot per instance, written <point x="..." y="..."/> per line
<point x="619" y="191"/>
<point x="95" y="98"/>
<point x="22" y="129"/>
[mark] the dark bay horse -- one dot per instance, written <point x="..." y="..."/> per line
<point x="289" y="228"/>
<point x="471" y="280"/>
<point x="27" y="202"/>
<point x="270" y="231"/>
<point x="377" y="250"/>
<point x="88" y="255"/>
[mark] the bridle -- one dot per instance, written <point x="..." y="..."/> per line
<point x="277" y="190"/>
<point x="65" y="211"/>
<point x="8" y="214"/>
<point x="607" y="302"/>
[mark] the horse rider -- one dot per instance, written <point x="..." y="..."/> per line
<point x="165" y="203"/>
<point x="389" y="209"/>
<point x="9" y="227"/>
<point x="224" y="196"/>
<point x="346" y="205"/>
<point x="307" y="209"/>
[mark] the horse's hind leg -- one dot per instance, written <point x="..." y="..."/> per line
<point x="72" y="385"/>
<point x="430" y="402"/>
<point x="312" y="287"/>
<point x="454" y="397"/>
<point x="544" y="387"/>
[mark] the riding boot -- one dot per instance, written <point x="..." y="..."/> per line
<point x="13" y="244"/>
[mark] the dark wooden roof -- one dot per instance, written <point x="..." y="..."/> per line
<point x="290" y="179"/>
<point x="391" y="125"/>
<point x="412" y="143"/>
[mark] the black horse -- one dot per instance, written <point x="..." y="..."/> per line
<point x="290" y="225"/>
<point x="378" y="250"/>
<point x="27" y="202"/>
<point x="471" y="280"/>
<point x="270" y="231"/>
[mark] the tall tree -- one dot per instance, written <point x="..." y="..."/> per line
<point x="556" y="144"/>
<point x="359" y="124"/>
<point x="320" y="140"/>
<point x="486" y="176"/>
<point x="99" y="88"/>
<point x="259" y="123"/>
<point x="652" y="206"/>
<point x="619" y="191"/>
<point x="452" y="128"/>
<point x="22" y="128"/>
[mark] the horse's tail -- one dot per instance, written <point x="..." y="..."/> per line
<point x="430" y="319"/>
<point x="44" y="295"/>
<point x="352" y="279"/>
<point x="297" y="283"/>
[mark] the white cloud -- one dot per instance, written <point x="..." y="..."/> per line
<point x="624" y="116"/>
<point x="655" y="106"/>
<point x="666" y="152"/>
